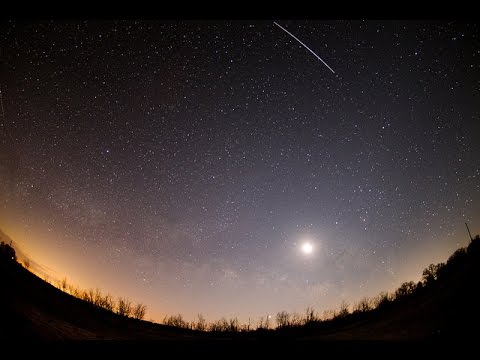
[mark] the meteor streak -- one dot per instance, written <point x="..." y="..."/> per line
<point x="318" y="57"/>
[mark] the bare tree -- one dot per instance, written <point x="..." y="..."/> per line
<point x="246" y="327"/>
<point x="283" y="319"/>
<point x="382" y="299"/>
<point x="234" y="325"/>
<point x="215" y="326"/>
<point x="328" y="314"/>
<point x="260" y="325"/>
<point x="98" y="298"/>
<point x="64" y="284"/>
<point x="139" y="311"/>
<point x="220" y="325"/>
<point x="108" y="302"/>
<point x="124" y="307"/>
<point x="310" y="315"/>
<point x="343" y="311"/>
<point x="84" y="295"/>
<point x="175" y="320"/>
<point x="201" y="323"/>
<point x="72" y="290"/>
<point x="89" y="296"/>
<point x="296" y="319"/>
<point x="223" y="324"/>
<point x="249" y="324"/>
<point x="364" y="305"/>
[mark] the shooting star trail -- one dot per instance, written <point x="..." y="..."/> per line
<point x="318" y="57"/>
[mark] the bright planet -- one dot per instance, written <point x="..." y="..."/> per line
<point x="307" y="248"/>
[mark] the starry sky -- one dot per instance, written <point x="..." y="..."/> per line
<point x="184" y="164"/>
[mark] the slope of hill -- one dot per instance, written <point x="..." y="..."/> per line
<point x="443" y="310"/>
<point x="35" y="309"/>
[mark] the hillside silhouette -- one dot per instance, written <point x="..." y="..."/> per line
<point x="443" y="307"/>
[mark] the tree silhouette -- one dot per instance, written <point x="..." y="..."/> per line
<point x="310" y="315"/>
<point x="473" y="248"/>
<point x="201" y="323"/>
<point x="7" y="252"/>
<point x="405" y="289"/>
<point x="139" y="311"/>
<point x="343" y="309"/>
<point x="430" y="274"/>
<point x="124" y="307"/>
<point x="364" y="305"/>
<point x="175" y="320"/>
<point x="283" y="319"/>
<point x="457" y="257"/>
<point x="382" y="300"/>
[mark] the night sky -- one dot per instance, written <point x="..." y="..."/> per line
<point x="184" y="164"/>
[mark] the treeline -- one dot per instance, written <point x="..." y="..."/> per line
<point x="120" y="305"/>
<point x="458" y="267"/>
<point x="431" y="276"/>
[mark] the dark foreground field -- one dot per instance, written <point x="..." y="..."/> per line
<point x="443" y="316"/>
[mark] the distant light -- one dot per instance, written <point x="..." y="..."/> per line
<point x="307" y="248"/>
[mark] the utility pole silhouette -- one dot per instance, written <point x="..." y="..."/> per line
<point x="469" y="232"/>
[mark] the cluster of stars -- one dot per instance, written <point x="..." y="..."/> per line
<point x="192" y="156"/>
